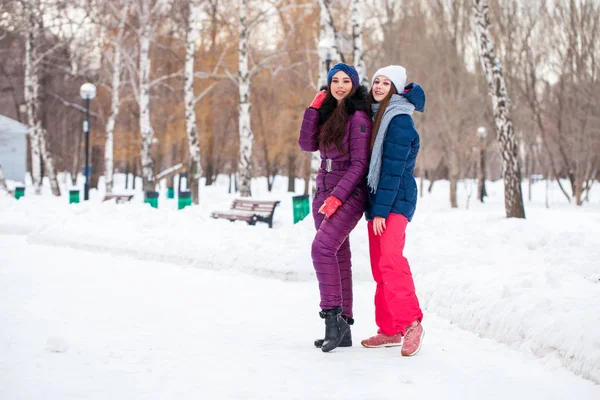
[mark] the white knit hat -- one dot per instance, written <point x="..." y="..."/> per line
<point x="395" y="73"/>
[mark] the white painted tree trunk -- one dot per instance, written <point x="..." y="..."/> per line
<point x="245" y="129"/>
<point x="144" y="98"/>
<point x="505" y="133"/>
<point x="195" y="170"/>
<point x="357" y="42"/>
<point x="115" y="103"/>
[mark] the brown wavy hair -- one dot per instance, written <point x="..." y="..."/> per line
<point x="379" y="116"/>
<point x="333" y="129"/>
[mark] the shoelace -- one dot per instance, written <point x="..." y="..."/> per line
<point x="410" y="332"/>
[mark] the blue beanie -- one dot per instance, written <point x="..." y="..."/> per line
<point x="347" y="69"/>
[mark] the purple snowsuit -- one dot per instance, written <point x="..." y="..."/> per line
<point x="343" y="176"/>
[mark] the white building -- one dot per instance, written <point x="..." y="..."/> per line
<point x="13" y="149"/>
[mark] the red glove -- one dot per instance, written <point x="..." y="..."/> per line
<point x="318" y="100"/>
<point x="330" y="206"/>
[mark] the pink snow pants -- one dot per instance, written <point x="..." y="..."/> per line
<point x="396" y="303"/>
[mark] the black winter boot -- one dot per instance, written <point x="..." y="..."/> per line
<point x="335" y="328"/>
<point x="346" y="341"/>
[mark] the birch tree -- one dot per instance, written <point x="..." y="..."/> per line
<point x="328" y="47"/>
<point x="115" y="99"/>
<point x="38" y="134"/>
<point x="244" y="78"/>
<point x="195" y="165"/>
<point x="146" y="130"/>
<point x="505" y="133"/>
<point x="245" y="129"/>
<point x="150" y="13"/>
<point x="357" y="41"/>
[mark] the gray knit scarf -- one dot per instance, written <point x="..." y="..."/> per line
<point x="397" y="105"/>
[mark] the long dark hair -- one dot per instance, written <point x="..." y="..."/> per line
<point x="334" y="126"/>
<point x="379" y="116"/>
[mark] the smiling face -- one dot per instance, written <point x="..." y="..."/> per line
<point x="381" y="87"/>
<point x="341" y="85"/>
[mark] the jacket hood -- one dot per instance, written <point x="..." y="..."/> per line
<point x="416" y="95"/>
<point x="355" y="102"/>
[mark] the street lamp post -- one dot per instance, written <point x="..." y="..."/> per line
<point x="328" y="60"/>
<point x="324" y="50"/>
<point x="481" y="192"/>
<point x="87" y="92"/>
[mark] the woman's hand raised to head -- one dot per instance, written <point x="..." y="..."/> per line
<point x="318" y="100"/>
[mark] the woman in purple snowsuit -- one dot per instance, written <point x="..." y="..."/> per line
<point x="338" y="124"/>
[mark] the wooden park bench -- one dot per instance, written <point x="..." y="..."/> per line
<point x="120" y="198"/>
<point x="249" y="210"/>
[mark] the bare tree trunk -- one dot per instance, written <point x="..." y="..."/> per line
<point x="144" y="98"/>
<point x="245" y="128"/>
<point x="291" y="164"/>
<point x="127" y="174"/>
<point x="357" y="40"/>
<point x="307" y="176"/>
<point x="95" y="158"/>
<point x="513" y="197"/>
<point x="209" y="172"/>
<point x="530" y="178"/>
<point x="454" y="172"/>
<point x="48" y="162"/>
<point x="115" y="103"/>
<point x="270" y="182"/>
<point x="439" y="173"/>
<point x="195" y="166"/>
<point x="481" y="192"/>
<point x="547" y="188"/>
<point x="578" y="185"/>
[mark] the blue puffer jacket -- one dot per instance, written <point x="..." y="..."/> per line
<point x="397" y="189"/>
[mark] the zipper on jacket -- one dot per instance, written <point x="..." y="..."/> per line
<point x="324" y="175"/>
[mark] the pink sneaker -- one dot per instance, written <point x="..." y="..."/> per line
<point x="413" y="339"/>
<point x="381" y="340"/>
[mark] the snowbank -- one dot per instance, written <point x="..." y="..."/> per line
<point x="533" y="284"/>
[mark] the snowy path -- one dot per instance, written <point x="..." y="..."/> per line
<point x="148" y="330"/>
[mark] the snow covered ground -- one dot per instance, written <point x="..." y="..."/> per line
<point x="82" y="325"/>
<point x="533" y="285"/>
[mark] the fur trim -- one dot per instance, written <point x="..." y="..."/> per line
<point x="356" y="102"/>
<point x="331" y="313"/>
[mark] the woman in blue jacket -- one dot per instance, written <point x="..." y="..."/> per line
<point x="393" y="199"/>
